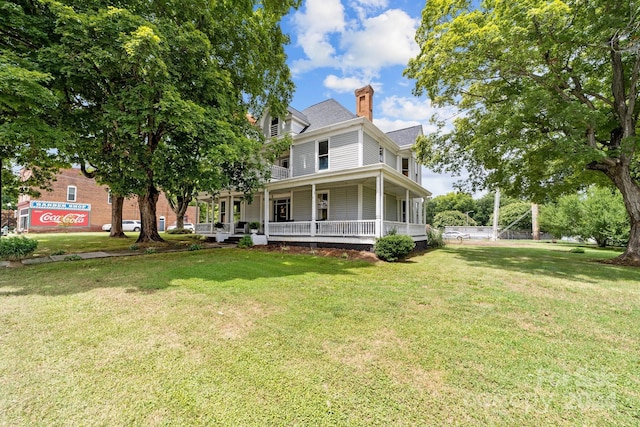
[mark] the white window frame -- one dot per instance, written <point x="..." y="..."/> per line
<point x="109" y="198"/>
<point x="321" y="156"/>
<point x="75" y="193"/>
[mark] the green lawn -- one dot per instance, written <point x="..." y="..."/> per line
<point x="466" y="335"/>
<point x="73" y="243"/>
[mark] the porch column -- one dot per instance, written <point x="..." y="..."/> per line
<point x="266" y="212"/>
<point x="231" y="216"/>
<point x="314" y="210"/>
<point x="408" y="211"/>
<point x="379" y="205"/>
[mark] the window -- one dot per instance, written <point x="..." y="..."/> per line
<point x="405" y="166"/>
<point x="281" y="210"/>
<point x="71" y="193"/>
<point x="323" y="155"/>
<point x="236" y="210"/>
<point x="381" y="153"/>
<point x="109" y="198"/>
<point x="223" y="211"/>
<point x="275" y="124"/>
<point x="323" y="207"/>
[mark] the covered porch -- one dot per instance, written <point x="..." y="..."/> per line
<point x="353" y="208"/>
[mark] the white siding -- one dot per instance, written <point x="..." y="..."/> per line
<point x="368" y="203"/>
<point x="390" y="208"/>
<point x="390" y="158"/>
<point x="343" y="203"/>
<point x="371" y="153"/>
<point x="343" y="151"/>
<point x="301" y="205"/>
<point x="304" y="159"/>
<point x="252" y="211"/>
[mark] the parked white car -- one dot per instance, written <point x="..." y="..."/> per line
<point x="455" y="235"/>
<point x="127" y="225"/>
<point x="187" y="226"/>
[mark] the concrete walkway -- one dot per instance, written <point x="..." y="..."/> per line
<point x="93" y="255"/>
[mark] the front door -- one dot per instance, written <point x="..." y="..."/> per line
<point x="281" y="209"/>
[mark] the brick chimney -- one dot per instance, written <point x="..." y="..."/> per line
<point x="364" y="102"/>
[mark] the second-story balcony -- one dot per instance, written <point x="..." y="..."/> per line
<point x="279" y="172"/>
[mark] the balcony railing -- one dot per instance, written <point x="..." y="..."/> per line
<point x="278" y="172"/>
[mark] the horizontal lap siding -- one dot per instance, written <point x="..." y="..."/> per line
<point x="390" y="208"/>
<point x="304" y="160"/>
<point x="371" y="153"/>
<point x="343" y="151"/>
<point x="343" y="204"/>
<point x="368" y="203"/>
<point x="301" y="210"/>
<point x="390" y="159"/>
<point x="252" y="212"/>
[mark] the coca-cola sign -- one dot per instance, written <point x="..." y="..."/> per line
<point x="59" y="217"/>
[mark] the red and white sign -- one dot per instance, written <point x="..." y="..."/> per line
<point x="59" y="217"/>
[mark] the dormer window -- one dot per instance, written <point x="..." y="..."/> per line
<point x="275" y="125"/>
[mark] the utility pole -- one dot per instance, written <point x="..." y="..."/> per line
<point x="535" y="225"/>
<point x="496" y="213"/>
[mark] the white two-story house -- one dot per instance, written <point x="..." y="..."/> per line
<point x="343" y="182"/>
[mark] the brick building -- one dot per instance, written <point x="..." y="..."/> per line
<point x="78" y="203"/>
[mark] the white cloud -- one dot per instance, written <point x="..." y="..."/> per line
<point x="343" y="84"/>
<point x="388" y="125"/>
<point x="417" y="110"/>
<point x="384" y="40"/>
<point x="320" y="19"/>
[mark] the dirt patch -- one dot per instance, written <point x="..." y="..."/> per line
<point x="324" y="252"/>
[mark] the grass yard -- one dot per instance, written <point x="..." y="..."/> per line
<point x="466" y="335"/>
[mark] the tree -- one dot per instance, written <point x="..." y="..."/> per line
<point x="30" y="136"/>
<point x="136" y="78"/>
<point x="512" y="212"/>
<point x="455" y="218"/>
<point x="549" y="93"/>
<point x="597" y="214"/>
<point x="462" y="202"/>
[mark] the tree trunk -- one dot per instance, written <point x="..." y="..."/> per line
<point x="621" y="176"/>
<point x="181" y="209"/>
<point x="147" y="204"/>
<point x="117" y="202"/>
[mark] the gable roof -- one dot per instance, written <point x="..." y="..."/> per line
<point x="326" y="113"/>
<point x="298" y="115"/>
<point x="407" y="136"/>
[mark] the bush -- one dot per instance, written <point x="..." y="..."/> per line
<point x="434" y="238"/>
<point x="16" y="248"/>
<point x="245" y="242"/>
<point x="179" y="231"/>
<point x="394" y="247"/>
<point x="254" y="225"/>
<point x="195" y="247"/>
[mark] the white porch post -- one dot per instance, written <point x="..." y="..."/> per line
<point x="266" y="212"/>
<point x="231" y="217"/>
<point x="379" y="205"/>
<point x="314" y="209"/>
<point x="408" y="209"/>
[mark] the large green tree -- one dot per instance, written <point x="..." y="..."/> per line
<point x="143" y="78"/>
<point x="30" y="136"/>
<point x="548" y="91"/>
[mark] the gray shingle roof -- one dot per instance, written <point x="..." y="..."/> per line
<point x="326" y="113"/>
<point x="406" y="136"/>
<point x="299" y="115"/>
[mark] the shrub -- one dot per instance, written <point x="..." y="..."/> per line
<point x="195" y="247"/>
<point x="245" y="242"/>
<point x="134" y="247"/>
<point x="394" y="247"/>
<point x="434" y="238"/>
<point x="254" y="225"/>
<point x="179" y="231"/>
<point x="16" y="248"/>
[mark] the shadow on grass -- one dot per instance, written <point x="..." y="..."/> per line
<point x="214" y="268"/>
<point x="559" y="263"/>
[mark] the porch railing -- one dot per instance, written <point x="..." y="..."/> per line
<point x="346" y="228"/>
<point x="278" y="172"/>
<point x="298" y="228"/>
<point x="401" y="228"/>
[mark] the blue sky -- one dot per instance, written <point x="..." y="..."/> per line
<point x="338" y="46"/>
